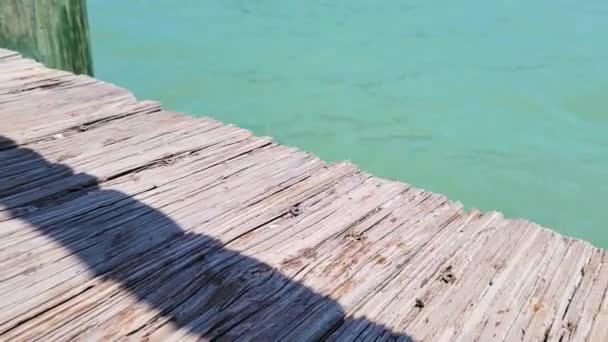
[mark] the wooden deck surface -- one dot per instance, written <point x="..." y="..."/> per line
<point x="123" y="221"/>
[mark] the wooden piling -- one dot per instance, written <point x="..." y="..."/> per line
<point x="54" y="32"/>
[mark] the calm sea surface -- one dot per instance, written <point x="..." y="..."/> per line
<point x="499" y="104"/>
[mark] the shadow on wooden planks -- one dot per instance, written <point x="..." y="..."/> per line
<point x="191" y="280"/>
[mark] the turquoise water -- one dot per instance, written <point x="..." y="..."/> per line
<point x="499" y="104"/>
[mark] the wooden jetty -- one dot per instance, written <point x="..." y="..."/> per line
<point x="123" y="221"/>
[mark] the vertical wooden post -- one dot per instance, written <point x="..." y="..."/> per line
<point x="53" y="32"/>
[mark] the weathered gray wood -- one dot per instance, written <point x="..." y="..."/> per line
<point x="584" y="305"/>
<point x="120" y="220"/>
<point x="415" y="285"/>
<point x="560" y="293"/>
<point x="599" y="302"/>
<point x="357" y="285"/>
<point x="5" y="54"/>
<point x="182" y="251"/>
<point x="103" y="161"/>
<point x="455" y="301"/>
<point x="26" y="245"/>
<point x="183" y="283"/>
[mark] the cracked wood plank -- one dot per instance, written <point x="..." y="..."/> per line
<point x="120" y="220"/>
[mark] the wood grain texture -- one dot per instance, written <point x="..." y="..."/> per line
<point x="123" y="221"/>
<point x="54" y="32"/>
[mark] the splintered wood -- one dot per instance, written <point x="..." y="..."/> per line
<point x="119" y="220"/>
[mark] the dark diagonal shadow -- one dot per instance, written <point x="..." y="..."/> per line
<point x="192" y="280"/>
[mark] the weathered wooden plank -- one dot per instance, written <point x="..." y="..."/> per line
<point x="18" y="97"/>
<point x="176" y="253"/>
<point x="120" y="220"/>
<point x="398" y="296"/>
<point x="599" y="297"/>
<point x="22" y="111"/>
<point x="90" y="166"/>
<point x="188" y="276"/>
<point x="27" y="113"/>
<point x="227" y="174"/>
<point x="249" y="240"/>
<point x="13" y="82"/>
<point x="463" y="280"/>
<point x="5" y="54"/>
<point x="15" y="63"/>
<point x="65" y="93"/>
<point x="510" y="281"/>
<point x="585" y="303"/>
<point x="560" y="294"/>
<point x="440" y="293"/>
<point x="380" y="264"/>
<point x="291" y="291"/>
<point x="503" y="317"/>
<point x="152" y="178"/>
<point x="64" y="234"/>
<point x="228" y="140"/>
<point x="60" y="129"/>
